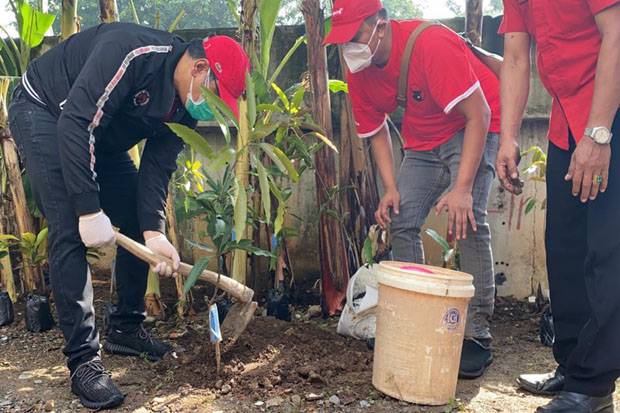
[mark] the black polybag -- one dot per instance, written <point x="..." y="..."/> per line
<point x="6" y="309"/>
<point x="38" y="314"/>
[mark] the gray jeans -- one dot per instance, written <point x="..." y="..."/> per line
<point x="423" y="177"/>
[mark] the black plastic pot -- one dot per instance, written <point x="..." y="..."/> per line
<point x="38" y="314"/>
<point x="6" y="309"/>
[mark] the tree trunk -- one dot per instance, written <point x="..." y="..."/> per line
<point x="249" y="41"/>
<point x="357" y="172"/>
<point x="333" y="253"/>
<point x="473" y="21"/>
<point x="31" y="276"/>
<point x="108" y="11"/>
<point x="69" y="19"/>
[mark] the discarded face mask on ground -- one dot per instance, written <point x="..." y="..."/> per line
<point x="358" y="318"/>
<point x="38" y="314"/>
<point x="6" y="309"/>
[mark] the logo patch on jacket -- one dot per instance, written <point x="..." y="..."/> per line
<point x="417" y="95"/>
<point x="141" y="98"/>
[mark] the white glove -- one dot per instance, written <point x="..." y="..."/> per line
<point x="160" y="245"/>
<point x="96" y="230"/>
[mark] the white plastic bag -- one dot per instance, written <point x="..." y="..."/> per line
<point x="358" y="319"/>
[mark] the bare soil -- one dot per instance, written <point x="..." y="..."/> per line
<point x="275" y="366"/>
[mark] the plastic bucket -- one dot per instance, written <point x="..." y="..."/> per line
<point x="421" y="318"/>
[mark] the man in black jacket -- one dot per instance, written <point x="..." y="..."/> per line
<point x="77" y="111"/>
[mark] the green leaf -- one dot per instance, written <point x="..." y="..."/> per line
<point x="279" y="222"/>
<point x="280" y="159"/>
<point x="531" y="203"/>
<point x="300" y="40"/>
<point x="195" y="273"/>
<point x="292" y="172"/>
<point x="325" y="140"/>
<point x="34" y="25"/>
<point x="268" y="11"/>
<point x="246" y="245"/>
<point x="263" y="131"/>
<point x="41" y="238"/>
<point x="282" y="96"/>
<point x="251" y="97"/>
<point x="265" y="194"/>
<point x="367" y="255"/>
<point x="268" y="107"/>
<point x="173" y="26"/>
<point x="200" y="246"/>
<point x="28" y="238"/>
<point x="233" y="11"/>
<point x="8" y="237"/>
<point x="193" y="139"/>
<point x="215" y="102"/>
<point x="269" y="151"/>
<point x="438" y="239"/>
<point x="241" y="209"/>
<point x="336" y="86"/>
<point x="298" y="97"/>
<point x="276" y="192"/>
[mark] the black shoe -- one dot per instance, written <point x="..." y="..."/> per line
<point x="548" y="384"/>
<point x="94" y="386"/>
<point x="137" y="343"/>
<point x="567" y="402"/>
<point x="475" y="359"/>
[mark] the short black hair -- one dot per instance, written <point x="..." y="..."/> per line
<point x="381" y="14"/>
<point x="195" y="49"/>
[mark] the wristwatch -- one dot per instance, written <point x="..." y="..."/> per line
<point x="599" y="134"/>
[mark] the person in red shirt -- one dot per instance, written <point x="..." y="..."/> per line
<point x="578" y="57"/>
<point x="450" y="129"/>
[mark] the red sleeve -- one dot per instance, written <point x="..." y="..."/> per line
<point x="597" y="6"/>
<point x="448" y="72"/>
<point x="368" y="120"/>
<point x="513" y="20"/>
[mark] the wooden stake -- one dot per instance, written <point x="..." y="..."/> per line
<point x="333" y="253"/>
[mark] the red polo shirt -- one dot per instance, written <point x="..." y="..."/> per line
<point x="442" y="73"/>
<point x="568" y="43"/>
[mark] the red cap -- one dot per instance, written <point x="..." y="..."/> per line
<point x="229" y="63"/>
<point x="348" y="16"/>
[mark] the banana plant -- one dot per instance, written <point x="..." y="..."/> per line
<point x="32" y="24"/>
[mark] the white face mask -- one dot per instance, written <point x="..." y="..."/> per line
<point x="358" y="56"/>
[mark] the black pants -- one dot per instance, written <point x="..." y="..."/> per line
<point x="34" y="130"/>
<point x="583" y="260"/>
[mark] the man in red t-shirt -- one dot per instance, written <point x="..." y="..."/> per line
<point x="578" y="57"/>
<point x="450" y="128"/>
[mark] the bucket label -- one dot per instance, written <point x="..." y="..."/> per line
<point x="452" y="319"/>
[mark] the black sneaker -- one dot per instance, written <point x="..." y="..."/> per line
<point x="94" y="386"/>
<point x="137" y="343"/>
<point x="475" y="359"/>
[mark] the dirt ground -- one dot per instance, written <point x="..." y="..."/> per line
<point x="276" y="366"/>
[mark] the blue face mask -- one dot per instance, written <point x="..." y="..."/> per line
<point x="200" y="109"/>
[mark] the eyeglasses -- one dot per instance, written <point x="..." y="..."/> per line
<point x="210" y="78"/>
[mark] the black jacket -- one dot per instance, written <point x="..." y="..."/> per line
<point x="111" y="86"/>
